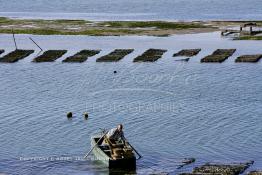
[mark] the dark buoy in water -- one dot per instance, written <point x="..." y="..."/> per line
<point x="86" y="115"/>
<point x="188" y="160"/>
<point x="69" y="115"/>
<point x="115" y="72"/>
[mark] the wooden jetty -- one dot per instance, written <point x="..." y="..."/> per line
<point x="151" y="55"/>
<point x="115" y="56"/>
<point x="187" y="53"/>
<point x="81" y="56"/>
<point x="248" y="58"/>
<point x="15" y="56"/>
<point x="218" y="56"/>
<point x="1" y="51"/>
<point x="50" y="56"/>
<point x="244" y="29"/>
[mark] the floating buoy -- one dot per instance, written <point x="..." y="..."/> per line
<point x="86" y="115"/>
<point x="115" y="72"/>
<point x="189" y="160"/>
<point x="69" y="115"/>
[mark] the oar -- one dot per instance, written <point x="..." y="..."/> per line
<point x="135" y="151"/>
<point x="94" y="145"/>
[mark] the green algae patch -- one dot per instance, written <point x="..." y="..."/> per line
<point x="4" y="20"/>
<point x="153" y="24"/>
<point x="91" y="32"/>
<point x="32" y="31"/>
<point x="99" y="28"/>
<point x="249" y="38"/>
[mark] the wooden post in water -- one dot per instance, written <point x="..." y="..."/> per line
<point x="35" y="43"/>
<point x="14" y="38"/>
<point x="240" y="30"/>
<point x="250" y="30"/>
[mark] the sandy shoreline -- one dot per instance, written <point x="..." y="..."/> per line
<point x="111" y="28"/>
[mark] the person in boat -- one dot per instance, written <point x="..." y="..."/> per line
<point x="115" y="135"/>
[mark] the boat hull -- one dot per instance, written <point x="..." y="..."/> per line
<point x="100" y="155"/>
<point x="129" y="164"/>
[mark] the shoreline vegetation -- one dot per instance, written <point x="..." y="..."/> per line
<point x="114" y="28"/>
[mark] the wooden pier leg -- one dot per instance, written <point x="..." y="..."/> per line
<point x="14" y="38"/>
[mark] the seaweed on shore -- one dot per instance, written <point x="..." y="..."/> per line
<point x="100" y="28"/>
<point x="255" y="173"/>
<point x="218" y="56"/>
<point x="154" y="24"/>
<point x="15" y="56"/>
<point x="187" y="52"/>
<point x="151" y="55"/>
<point x="220" y="169"/>
<point x="248" y="58"/>
<point x="50" y="56"/>
<point x="81" y="56"/>
<point x="249" y="37"/>
<point x="115" y="56"/>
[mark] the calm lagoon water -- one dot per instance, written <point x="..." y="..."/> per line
<point x="170" y="110"/>
<point x="134" y="9"/>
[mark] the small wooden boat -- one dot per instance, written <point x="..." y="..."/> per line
<point x="120" y="157"/>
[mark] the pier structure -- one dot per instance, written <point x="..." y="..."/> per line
<point x="244" y="29"/>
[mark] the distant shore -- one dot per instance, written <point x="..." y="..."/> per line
<point x="113" y="28"/>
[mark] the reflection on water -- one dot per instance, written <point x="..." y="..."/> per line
<point x="170" y="110"/>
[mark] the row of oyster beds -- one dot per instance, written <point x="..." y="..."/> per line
<point x="150" y="55"/>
